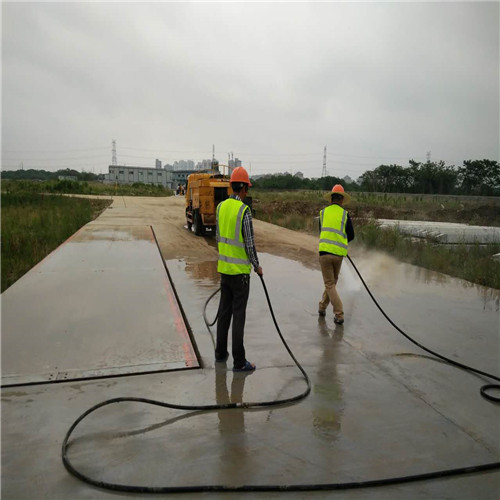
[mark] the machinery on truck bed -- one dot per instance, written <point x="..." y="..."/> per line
<point x="204" y="192"/>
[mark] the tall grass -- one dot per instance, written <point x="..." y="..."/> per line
<point x="266" y="196"/>
<point x="34" y="224"/>
<point x="296" y="222"/>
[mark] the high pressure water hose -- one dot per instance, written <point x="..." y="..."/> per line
<point x="250" y="405"/>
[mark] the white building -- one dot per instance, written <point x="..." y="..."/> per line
<point x="121" y="174"/>
<point x="204" y="165"/>
<point x="180" y="177"/>
<point x="169" y="176"/>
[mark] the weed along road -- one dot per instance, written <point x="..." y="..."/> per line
<point x="101" y="318"/>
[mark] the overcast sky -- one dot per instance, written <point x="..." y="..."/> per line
<point x="273" y="83"/>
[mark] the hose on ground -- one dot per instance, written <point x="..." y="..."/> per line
<point x="251" y="405"/>
<point x="483" y="390"/>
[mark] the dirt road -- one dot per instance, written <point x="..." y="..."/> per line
<point x="167" y="217"/>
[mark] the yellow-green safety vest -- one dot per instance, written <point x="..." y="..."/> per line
<point x="333" y="238"/>
<point x="233" y="258"/>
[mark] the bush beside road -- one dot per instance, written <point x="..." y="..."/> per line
<point x="33" y="225"/>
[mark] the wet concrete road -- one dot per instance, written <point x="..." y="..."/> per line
<point x="97" y="306"/>
<point x="379" y="407"/>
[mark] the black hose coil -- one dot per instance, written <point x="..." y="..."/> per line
<point x="276" y="487"/>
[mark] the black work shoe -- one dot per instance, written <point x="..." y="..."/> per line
<point x="247" y="367"/>
<point x="322" y="313"/>
<point x="338" y="320"/>
<point x="222" y="360"/>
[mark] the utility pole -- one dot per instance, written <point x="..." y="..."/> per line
<point x="113" y="157"/>
<point x="323" y="174"/>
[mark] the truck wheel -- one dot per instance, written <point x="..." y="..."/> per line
<point x="199" y="229"/>
<point x="189" y="224"/>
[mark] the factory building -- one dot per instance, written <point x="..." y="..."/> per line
<point x="121" y="174"/>
<point x="180" y="176"/>
<point x="169" y="176"/>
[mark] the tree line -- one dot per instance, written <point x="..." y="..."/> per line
<point x="474" y="177"/>
<point x="45" y="175"/>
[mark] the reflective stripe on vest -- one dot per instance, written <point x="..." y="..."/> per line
<point x="333" y="238"/>
<point x="233" y="257"/>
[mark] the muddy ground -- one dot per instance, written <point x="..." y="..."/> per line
<point x="177" y="242"/>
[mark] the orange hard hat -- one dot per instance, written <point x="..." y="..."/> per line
<point x="240" y="175"/>
<point x="338" y="189"/>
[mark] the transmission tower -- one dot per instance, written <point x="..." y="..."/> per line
<point x="324" y="174"/>
<point x="113" y="158"/>
<point x="428" y="156"/>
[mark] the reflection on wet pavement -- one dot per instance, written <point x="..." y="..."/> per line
<point x="327" y="390"/>
<point x="204" y="273"/>
<point x="232" y="433"/>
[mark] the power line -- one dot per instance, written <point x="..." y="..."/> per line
<point x="377" y="157"/>
<point x="158" y="151"/>
<point x="307" y="162"/>
<point x="206" y="152"/>
<point x="278" y="154"/>
<point x="253" y="154"/>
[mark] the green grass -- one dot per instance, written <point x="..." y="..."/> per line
<point x="266" y="196"/>
<point x="296" y="222"/>
<point x="420" y="204"/>
<point x="35" y="224"/>
<point x="406" y="201"/>
<point x="83" y="187"/>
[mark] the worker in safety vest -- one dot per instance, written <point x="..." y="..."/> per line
<point x="336" y="231"/>
<point x="237" y="256"/>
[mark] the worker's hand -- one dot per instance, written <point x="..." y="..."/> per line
<point x="259" y="271"/>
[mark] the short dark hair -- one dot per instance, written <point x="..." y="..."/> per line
<point x="337" y="197"/>
<point x="238" y="186"/>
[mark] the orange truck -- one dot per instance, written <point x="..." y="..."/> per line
<point x="204" y="192"/>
